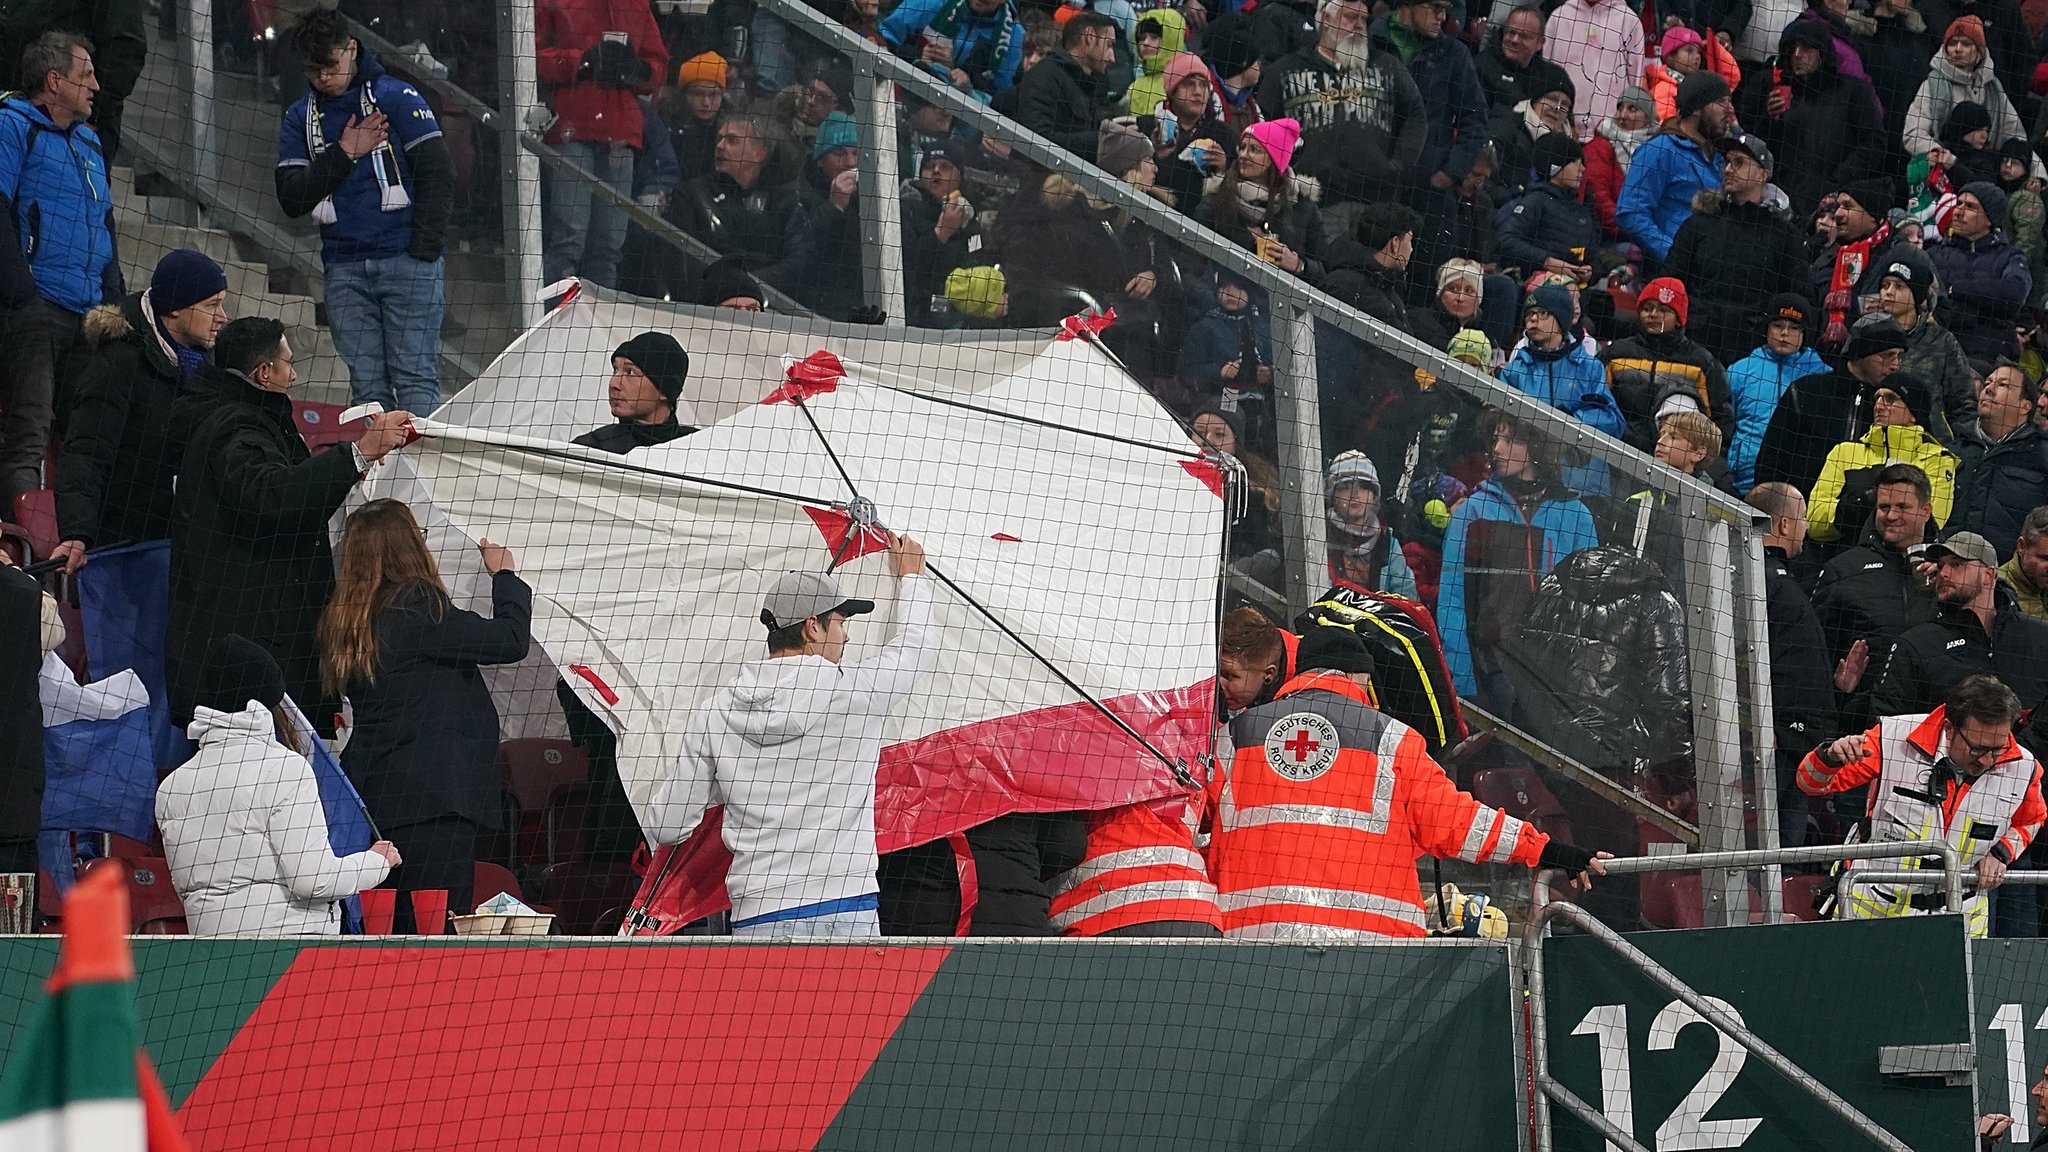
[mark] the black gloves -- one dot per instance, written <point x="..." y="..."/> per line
<point x="1572" y="859"/>
<point x="615" y="64"/>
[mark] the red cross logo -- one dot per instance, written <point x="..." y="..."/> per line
<point x="1301" y="745"/>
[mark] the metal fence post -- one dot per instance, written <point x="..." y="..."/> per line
<point x="881" y="209"/>
<point x="1298" y="419"/>
<point x="520" y="170"/>
<point x="1717" y="731"/>
<point x="1763" y="725"/>
<point x="195" y="18"/>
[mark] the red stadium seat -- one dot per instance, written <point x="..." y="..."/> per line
<point x="565" y="823"/>
<point x="1521" y="793"/>
<point x="36" y="512"/>
<point x="532" y="769"/>
<point x="493" y="879"/>
<point x="320" y="424"/>
<point x="1672" y="900"/>
<point x="1800" y="895"/>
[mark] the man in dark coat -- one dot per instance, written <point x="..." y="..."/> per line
<point x="2004" y="471"/>
<point x="114" y="479"/>
<point x="249" y="551"/>
<point x="1977" y="629"/>
<point x="1367" y="386"/>
<point x="1820" y="411"/>
<point x="1061" y="97"/>
<point x="1734" y="253"/>
<point x="821" y="266"/>
<point x="648" y="373"/>
<point x="1802" y="678"/>
<point x="1872" y="593"/>
<point x="21" y="718"/>
<point x="937" y="222"/>
<point x="1454" y="107"/>
<point x="1363" y="123"/>
<point x="1512" y="68"/>
<point x="1828" y="134"/>
<point x="1983" y="275"/>
<point x="742" y="207"/>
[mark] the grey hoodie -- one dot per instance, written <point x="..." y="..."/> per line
<point x="790" y="748"/>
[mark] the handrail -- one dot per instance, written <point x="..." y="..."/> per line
<point x="1725" y="1023"/>
<point x="1897" y="878"/>
<point x="1951" y="867"/>
<point x="1611" y="791"/>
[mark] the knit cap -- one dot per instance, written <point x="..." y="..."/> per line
<point x="1874" y="195"/>
<point x="1992" y="197"/>
<point x="662" y="359"/>
<point x="1700" y="89"/>
<point x="184" y="277"/>
<point x="1668" y="291"/>
<point x="238" y="670"/>
<point x="1677" y="38"/>
<point x="1969" y="28"/>
<point x="703" y="68"/>
<point x="1278" y="138"/>
<point x="1227" y="42"/>
<point x="1120" y="148"/>
<point x="1182" y="66"/>
<point x="836" y="131"/>
<point x="1644" y="102"/>
<point x="1554" y="151"/>
<point x="1911" y="267"/>
<point x="1471" y="346"/>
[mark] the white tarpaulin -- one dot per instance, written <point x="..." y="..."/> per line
<point x="1077" y="536"/>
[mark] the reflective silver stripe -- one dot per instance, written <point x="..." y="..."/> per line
<point x="1510" y="836"/>
<point x="1128" y="858"/>
<point x="1131" y="894"/>
<point x="1337" y="899"/>
<point x="1290" y="931"/>
<point x="1483" y="821"/>
<point x="1322" y="815"/>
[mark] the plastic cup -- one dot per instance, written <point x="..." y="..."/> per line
<point x="430" y="911"/>
<point x="380" y="908"/>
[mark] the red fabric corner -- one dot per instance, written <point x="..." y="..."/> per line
<point x="814" y="375"/>
<point x="1208" y="472"/>
<point x="1006" y="538"/>
<point x="836" y="526"/>
<point x="1086" y="324"/>
<point x="595" y="681"/>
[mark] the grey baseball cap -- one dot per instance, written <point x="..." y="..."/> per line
<point x="1965" y="546"/>
<point x="797" y="596"/>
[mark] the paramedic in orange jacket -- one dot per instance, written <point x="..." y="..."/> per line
<point x="1255" y="658"/>
<point x="1954" y="774"/>
<point x="1327" y="804"/>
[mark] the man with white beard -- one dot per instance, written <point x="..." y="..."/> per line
<point x="1362" y="120"/>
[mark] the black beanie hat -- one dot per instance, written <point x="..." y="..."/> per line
<point x="1334" y="649"/>
<point x="1911" y="267"/>
<point x="1555" y="150"/>
<point x="1235" y="420"/>
<point x="662" y="359"/>
<point x="727" y="279"/>
<point x="1789" y="306"/>
<point x="238" y="670"/>
<point x="1966" y="117"/>
<point x="1699" y="90"/>
<point x="1875" y="195"/>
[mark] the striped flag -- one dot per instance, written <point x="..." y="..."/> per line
<point x="78" y="1080"/>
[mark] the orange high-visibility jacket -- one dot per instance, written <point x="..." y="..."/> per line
<point x="1323" y="811"/>
<point x="1141" y="868"/>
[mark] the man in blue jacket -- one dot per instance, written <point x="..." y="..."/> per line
<point x="363" y="153"/>
<point x="1656" y="197"/>
<point x="57" y="261"/>
<point x="974" y="44"/>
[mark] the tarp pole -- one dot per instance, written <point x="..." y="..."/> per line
<point x="1298" y="425"/>
<point x="881" y="214"/>
<point x="518" y="168"/>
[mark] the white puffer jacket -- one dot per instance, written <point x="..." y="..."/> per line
<point x="246" y="837"/>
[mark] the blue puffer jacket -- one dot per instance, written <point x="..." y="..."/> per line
<point x="1494" y="558"/>
<point x="1656" y="196"/>
<point x="1570" y="380"/>
<point x="56" y="207"/>
<point x="1756" y="381"/>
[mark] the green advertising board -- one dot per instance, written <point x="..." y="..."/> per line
<point x="1828" y="996"/>
<point x="2011" y="978"/>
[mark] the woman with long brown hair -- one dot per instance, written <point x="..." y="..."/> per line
<point x="423" y="749"/>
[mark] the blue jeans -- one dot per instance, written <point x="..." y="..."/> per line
<point x="385" y="316"/>
<point x="583" y="235"/>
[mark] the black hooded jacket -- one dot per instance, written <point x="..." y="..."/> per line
<point x="1934" y="656"/>
<point x="1733" y="257"/>
<point x="114" y="480"/>
<point x="1831" y="136"/>
<point x="1599" y="662"/>
<point x="1816" y="413"/>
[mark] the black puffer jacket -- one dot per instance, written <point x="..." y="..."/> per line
<point x="1599" y="663"/>
<point x="114" y="481"/>
<point x="1830" y="136"/>
<point x="1802" y="676"/>
<point x="1733" y="257"/>
<point x="1934" y="656"/>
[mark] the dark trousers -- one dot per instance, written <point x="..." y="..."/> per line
<point x="41" y="338"/>
<point x="438" y="853"/>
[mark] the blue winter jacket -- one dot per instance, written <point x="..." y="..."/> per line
<point x="1656" y="196"/>
<point x="1755" y="382"/>
<point x="55" y="199"/>
<point x="1495" y="558"/>
<point x="907" y="23"/>
<point x="1573" y="382"/>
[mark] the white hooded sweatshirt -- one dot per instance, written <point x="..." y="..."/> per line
<point x="791" y="748"/>
<point x="246" y="837"/>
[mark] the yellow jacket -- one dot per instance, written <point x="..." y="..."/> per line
<point x="1908" y="444"/>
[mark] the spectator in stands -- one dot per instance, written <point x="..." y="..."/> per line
<point x="382" y="223"/>
<point x="118" y="45"/>
<point x="1905" y="289"/>
<point x="1872" y="592"/>
<point x="1802" y="683"/>
<point x="1677" y="163"/>
<point x="797" y="111"/>
<point x="249" y="551"/>
<point x="1229" y="350"/>
<point x="1062" y="99"/>
<point x="1735" y="250"/>
<point x="243" y="827"/>
<point x="1512" y="68"/>
<point x="975" y="45"/>
<point x="1824" y="126"/>
<point x="29" y="628"/>
<point x="1839" y="503"/>
<point x="1690" y="444"/>
<point x="1984" y="276"/>
<point x="1198" y="144"/>
<point x="1363" y="123"/>
<point x="1515" y="131"/>
<point x="791" y="748"/>
<point x="1370" y="273"/>
<point x="1822" y="410"/>
<point x="1218" y="429"/>
<point x="1162" y="35"/>
<point x="822" y="264"/>
<point x="1977" y="629"/>
<point x="114" y="479"/>
<point x="1234" y="68"/>
<point x="2026" y="574"/>
<point x="1551" y="228"/>
<point x="2004" y="471"/>
<point x="1599" y="44"/>
<point x="937" y="221"/>
<point x="1961" y="71"/>
<point x="648" y="373"/>
<point x="1758" y="380"/>
<point x="1261" y="206"/>
<point x="1467" y="299"/>
<point x="1553" y="366"/>
<point x="1681" y="53"/>
<point x="1363" y="549"/>
<point x="57" y="259"/>
<point x="423" y="749"/>
<point x="692" y="112"/>
<point x="742" y="207"/>
<point x="1611" y="150"/>
<point x="594" y="61"/>
<point x="726" y="283"/>
<point x="1454" y="108"/>
<point x="1254" y="659"/>
<point x="1502" y="540"/>
<point x="1661" y="370"/>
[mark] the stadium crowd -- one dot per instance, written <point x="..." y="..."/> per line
<point x="1794" y="255"/>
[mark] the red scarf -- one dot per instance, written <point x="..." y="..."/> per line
<point x="1851" y="261"/>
